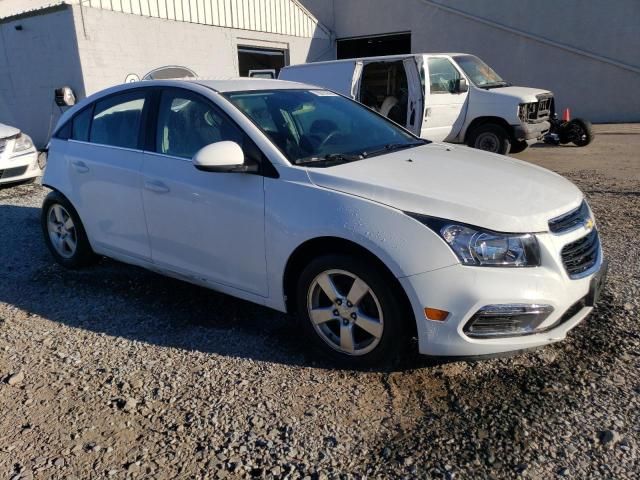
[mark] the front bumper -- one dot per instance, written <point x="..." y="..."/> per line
<point x="531" y="131"/>
<point x="462" y="291"/>
<point x="19" y="167"/>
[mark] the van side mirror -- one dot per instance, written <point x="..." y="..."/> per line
<point x="65" y="97"/>
<point x="462" y="86"/>
<point x="221" y="157"/>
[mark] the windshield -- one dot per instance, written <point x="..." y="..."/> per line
<point x="481" y="74"/>
<point x="320" y="127"/>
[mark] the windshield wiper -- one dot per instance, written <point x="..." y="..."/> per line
<point x="500" y="84"/>
<point x="391" y="147"/>
<point x="332" y="157"/>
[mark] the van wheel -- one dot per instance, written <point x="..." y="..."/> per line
<point x="519" y="146"/>
<point x="64" y="233"/>
<point x="349" y="313"/>
<point x="491" y="138"/>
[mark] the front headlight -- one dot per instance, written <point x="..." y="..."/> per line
<point x="478" y="247"/>
<point x="22" y="143"/>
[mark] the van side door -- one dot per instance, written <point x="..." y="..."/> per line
<point x="445" y="106"/>
<point x="415" y="109"/>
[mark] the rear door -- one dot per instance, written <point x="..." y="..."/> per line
<point x="104" y="159"/>
<point x="206" y="226"/>
<point x="445" y="107"/>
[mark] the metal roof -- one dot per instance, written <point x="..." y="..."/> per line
<point x="286" y="17"/>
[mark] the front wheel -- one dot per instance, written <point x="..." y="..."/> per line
<point x="349" y="312"/>
<point x="64" y="233"/>
<point x="490" y="137"/>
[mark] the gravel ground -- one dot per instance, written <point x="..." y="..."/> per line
<point x="114" y="372"/>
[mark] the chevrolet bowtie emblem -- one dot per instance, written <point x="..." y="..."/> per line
<point x="588" y="223"/>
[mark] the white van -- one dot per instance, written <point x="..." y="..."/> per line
<point x="452" y="97"/>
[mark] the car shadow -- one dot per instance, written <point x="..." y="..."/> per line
<point x="132" y="303"/>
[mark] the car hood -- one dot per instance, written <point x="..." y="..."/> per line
<point x="521" y="94"/>
<point x="457" y="183"/>
<point x="6" y="131"/>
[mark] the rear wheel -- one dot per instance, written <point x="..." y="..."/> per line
<point x="349" y="312"/>
<point x="64" y="233"/>
<point x="490" y="137"/>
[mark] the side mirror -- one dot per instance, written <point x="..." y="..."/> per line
<point x="220" y="157"/>
<point x="463" y="86"/>
<point x="65" y="97"/>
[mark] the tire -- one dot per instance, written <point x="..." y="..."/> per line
<point x="336" y="334"/>
<point x="490" y="137"/>
<point x="579" y="132"/>
<point x="519" y="146"/>
<point x="64" y="233"/>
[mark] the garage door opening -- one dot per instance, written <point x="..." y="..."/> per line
<point x="374" y="46"/>
<point x="261" y="62"/>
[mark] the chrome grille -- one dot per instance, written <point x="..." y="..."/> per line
<point x="581" y="255"/>
<point x="570" y="221"/>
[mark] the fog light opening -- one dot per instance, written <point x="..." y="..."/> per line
<point x="510" y="320"/>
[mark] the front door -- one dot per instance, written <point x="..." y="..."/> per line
<point x="204" y="225"/>
<point x="445" y="107"/>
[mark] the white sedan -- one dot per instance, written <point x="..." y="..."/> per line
<point x="305" y="201"/>
<point x="18" y="156"/>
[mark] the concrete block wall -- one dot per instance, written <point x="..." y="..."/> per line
<point x="34" y="60"/>
<point x="113" y="45"/>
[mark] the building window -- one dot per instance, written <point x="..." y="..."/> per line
<point x="261" y="62"/>
<point x="169" y="72"/>
<point x="374" y="46"/>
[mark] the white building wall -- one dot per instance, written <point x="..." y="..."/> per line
<point x="41" y="56"/>
<point x="113" y="45"/>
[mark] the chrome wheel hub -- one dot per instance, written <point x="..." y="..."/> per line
<point x="345" y="312"/>
<point x="62" y="231"/>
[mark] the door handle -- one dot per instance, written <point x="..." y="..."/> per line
<point x="156" y="186"/>
<point x="80" y="166"/>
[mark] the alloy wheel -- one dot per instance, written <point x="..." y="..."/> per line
<point x="345" y="312"/>
<point x="62" y="231"/>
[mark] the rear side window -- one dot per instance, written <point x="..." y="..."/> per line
<point x="116" y="120"/>
<point x="80" y="125"/>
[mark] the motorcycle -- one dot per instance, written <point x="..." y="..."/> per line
<point x="562" y="131"/>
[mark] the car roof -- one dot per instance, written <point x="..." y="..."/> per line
<point x="248" y="84"/>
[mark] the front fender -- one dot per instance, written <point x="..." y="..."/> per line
<point x="297" y="211"/>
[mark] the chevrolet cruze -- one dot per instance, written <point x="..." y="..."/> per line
<point x="302" y="200"/>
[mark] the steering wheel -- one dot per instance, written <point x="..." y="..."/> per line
<point x="327" y="138"/>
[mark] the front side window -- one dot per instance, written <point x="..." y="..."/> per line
<point x="443" y="76"/>
<point x="188" y="122"/>
<point x="116" y="120"/>
<point x="312" y="125"/>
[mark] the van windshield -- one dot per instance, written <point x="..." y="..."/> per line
<point x="481" y="74"/>
<point x="320" y="128"/>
